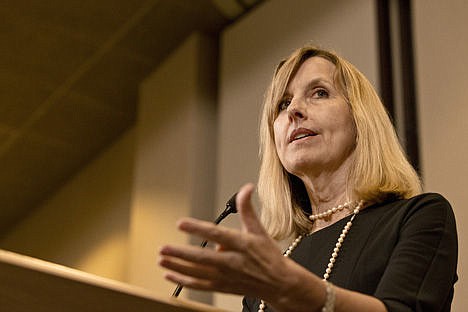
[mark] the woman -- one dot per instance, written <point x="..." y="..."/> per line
<point x="334" y="179"/>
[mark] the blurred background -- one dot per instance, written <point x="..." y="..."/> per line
<point x="119" y="117"/>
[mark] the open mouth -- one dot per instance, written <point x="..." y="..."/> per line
<point x="301" y="133"/>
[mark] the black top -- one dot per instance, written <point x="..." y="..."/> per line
<point x="403" y="252"/>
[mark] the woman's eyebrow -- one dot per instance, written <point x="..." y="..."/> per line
<point x="317" y="81"/>
<point x="311" y="83"/>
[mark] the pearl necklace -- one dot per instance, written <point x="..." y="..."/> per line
<point x="336" y="250"/>
<point x="329" y="212"/>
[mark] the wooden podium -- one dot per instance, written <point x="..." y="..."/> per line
<point x="32" y="285"/>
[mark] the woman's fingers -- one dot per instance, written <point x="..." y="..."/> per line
<point x="231" y="239"/>
<point x="189" y="268"/>
<point x="189" y="281"/>
<point x="249" y="219"/>
<point x="219" y="271"/>
<point x="226" y="237"/>
<point x="195" y="255"/>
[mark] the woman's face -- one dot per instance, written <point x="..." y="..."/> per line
<point x="314" y="131"/>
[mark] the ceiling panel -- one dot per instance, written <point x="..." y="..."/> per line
<point x="69" y="76"/>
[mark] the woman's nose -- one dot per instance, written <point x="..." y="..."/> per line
<point x="296" y="109"/>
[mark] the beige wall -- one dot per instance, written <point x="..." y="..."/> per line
<point x="175" y="157"/>
<point x="85" y="224"/>
<point x="441" y="44"/>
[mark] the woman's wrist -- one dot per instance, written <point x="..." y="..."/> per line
<point x="300" y="291"/>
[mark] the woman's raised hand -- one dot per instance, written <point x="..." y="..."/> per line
<point x="245" y="262"/>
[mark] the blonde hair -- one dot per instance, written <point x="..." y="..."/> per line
<point x="380" y="169"/>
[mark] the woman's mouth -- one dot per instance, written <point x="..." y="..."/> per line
<point x="301" y="133"/>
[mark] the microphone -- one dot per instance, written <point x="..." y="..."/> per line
<point x="230" y="208"/>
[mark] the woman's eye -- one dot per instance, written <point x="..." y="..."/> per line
<point x="321" y="93"/>
<point x="283" y="105"/>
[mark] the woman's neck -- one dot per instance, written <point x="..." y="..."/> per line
<point x="326" y="191"/>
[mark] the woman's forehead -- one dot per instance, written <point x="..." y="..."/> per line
<point x="312" y="71"/>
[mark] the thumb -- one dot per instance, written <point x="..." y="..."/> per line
<point x="249" y="219"/>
